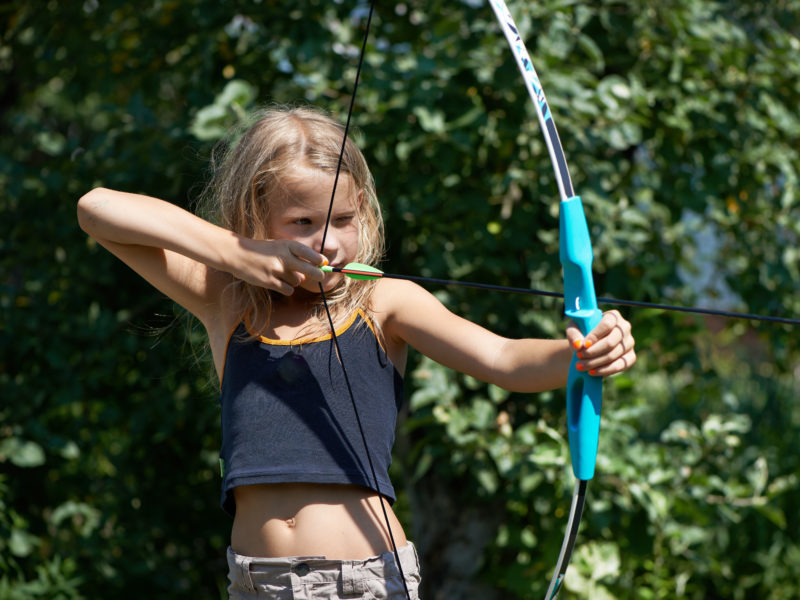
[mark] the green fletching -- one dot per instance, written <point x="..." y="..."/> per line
<point x="355" y="271"/>
<point x="359" y="271"/>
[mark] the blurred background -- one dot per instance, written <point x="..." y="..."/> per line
<point x="680" y="123"/>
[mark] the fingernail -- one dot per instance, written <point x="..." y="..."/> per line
<point x="577" y="344"/>
<point x="324" y="262"/>
<point x="587" y="344"/>
<point x="592" y="372"/>
<point x="580" y="367"/>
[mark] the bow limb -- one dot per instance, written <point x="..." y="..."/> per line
<point x="584" y="392"/>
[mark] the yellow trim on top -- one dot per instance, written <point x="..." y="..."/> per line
<point x="297" y="342"/>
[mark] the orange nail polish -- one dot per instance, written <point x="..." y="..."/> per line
<point x="580" y="367"/>
<point x="587" y="344"/>
<point x="592" y="372"/>
<point x="577" y="344"/>
<point x="324" y="262"/>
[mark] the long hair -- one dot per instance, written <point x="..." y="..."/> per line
<point x="249" y="173"/>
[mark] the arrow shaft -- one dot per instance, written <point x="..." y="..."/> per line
<point x="548" y="294"/>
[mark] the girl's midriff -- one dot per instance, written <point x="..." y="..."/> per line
<point x="342" y="522"/>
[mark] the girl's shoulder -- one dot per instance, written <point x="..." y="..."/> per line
<point x="396" y="300"/>
<point x="392" y="295"/>
<point x="391" y="309"/>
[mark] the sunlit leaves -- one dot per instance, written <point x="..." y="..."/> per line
<point x="21" y="453"/>
<point x="229" y="108"/>
<point x="679" y="121"/>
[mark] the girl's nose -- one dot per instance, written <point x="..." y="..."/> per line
<point x="331" y="243"/>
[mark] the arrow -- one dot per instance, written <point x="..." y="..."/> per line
<point x="361" y="271"/>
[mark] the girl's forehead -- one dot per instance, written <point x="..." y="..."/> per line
<point x="307" y="185"/>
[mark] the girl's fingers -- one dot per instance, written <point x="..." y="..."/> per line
<point x="623" y="363"/>
<point x="306" y="254"/>
<point x="611" y="323"/>
<point x="574" y="336"/>
<point x="619" y="358"/>
<point x="609" y="347"/>
<point x="306" y="262"/>
<point x="285" y="264"/>
<point x="279" y="265"/>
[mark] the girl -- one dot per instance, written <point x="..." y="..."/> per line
<point x="305" y="495"/>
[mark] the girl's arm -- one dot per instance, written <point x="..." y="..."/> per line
<point x="189" y="259"/>
<point x="416" y="317"/>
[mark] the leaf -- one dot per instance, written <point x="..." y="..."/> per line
<point x="26" y="454"/>
<point x="758" y="475"/>
<point x="774" y="514"/>
<point x="432" y="121"/>
<point x="236" y="92"/>
<point x="594" y="564"/>
<point x="85" y="517"/>
<point x="21" y="543"/>
<point x="488" y="480"/>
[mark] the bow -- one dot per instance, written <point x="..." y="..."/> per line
<point x="584" y="392"/>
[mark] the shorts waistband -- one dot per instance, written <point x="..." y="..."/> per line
<point x="247" y="572"/>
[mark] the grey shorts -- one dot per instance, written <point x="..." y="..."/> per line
<point x="318" y="578"/>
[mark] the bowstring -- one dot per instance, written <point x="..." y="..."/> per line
<point x="347" y="124"/>
<point x="334" y="337"/>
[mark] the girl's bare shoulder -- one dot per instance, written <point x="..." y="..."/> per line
<point x="393" y="297"/>
<point x="398" y="304"/>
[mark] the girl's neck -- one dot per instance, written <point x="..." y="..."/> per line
<point x="296" y="308"/>
<point x="295" y="316"/>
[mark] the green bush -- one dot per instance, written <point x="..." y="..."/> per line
<point x="679" y="121"/>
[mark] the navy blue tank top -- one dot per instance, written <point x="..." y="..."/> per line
<point x="287" y="416"/>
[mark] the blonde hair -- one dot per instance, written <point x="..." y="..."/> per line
<point x="249" y="173"/>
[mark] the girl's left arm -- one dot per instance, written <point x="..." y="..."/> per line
<point x="413" y="316"/>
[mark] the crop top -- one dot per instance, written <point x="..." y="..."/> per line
<point x="287" y="416"/>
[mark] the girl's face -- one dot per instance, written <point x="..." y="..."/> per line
<point x="303" y="216"/>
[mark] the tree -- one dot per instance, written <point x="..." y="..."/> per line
<point x="679" y="124"/>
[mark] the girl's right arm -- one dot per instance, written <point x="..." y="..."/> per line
<point x="189" y="259"/>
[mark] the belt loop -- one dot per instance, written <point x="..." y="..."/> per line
<point x="352" y="579"/>
<point x="415" y="556"/>
<point x="244" y="566"/>
<point x="347" y="578"/>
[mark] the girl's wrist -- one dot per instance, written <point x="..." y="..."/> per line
<point x="228" y="248"/>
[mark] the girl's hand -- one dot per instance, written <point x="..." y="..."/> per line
<point x="608" y="349"/>
<point x="278" y="265"/>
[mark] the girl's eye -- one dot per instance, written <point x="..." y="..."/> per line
<point x="344" y="219"/>
<point x="302" y="221"/>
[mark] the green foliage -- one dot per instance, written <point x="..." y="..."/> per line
<point x="680" y="124"/>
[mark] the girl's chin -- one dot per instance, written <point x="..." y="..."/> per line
<point x="328" y="284"/>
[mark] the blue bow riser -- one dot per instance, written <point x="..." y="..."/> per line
<point x="584" y="391"/>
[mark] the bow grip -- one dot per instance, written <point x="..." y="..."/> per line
<point x="584" y="391"/>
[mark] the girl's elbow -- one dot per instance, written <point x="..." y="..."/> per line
<point x="87" y="208"/>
